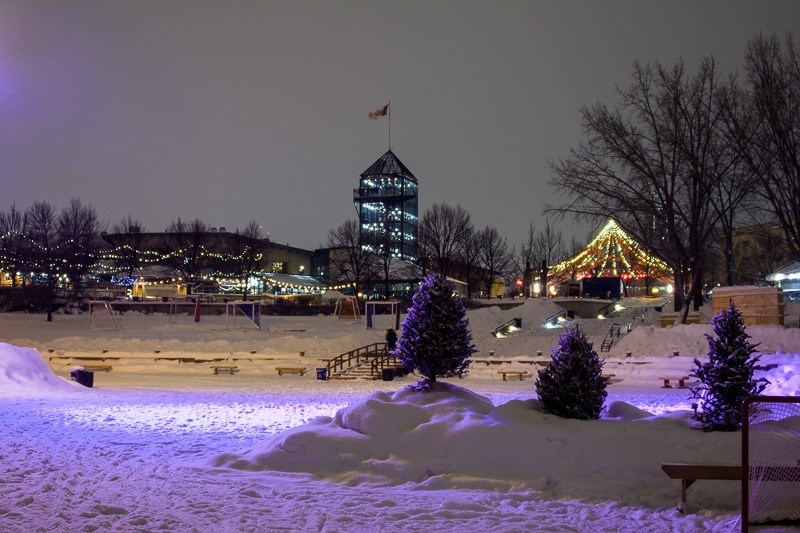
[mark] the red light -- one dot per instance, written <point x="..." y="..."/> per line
<point x="519" y="283"/>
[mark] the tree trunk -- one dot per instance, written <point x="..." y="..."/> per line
<point x="50" y="289"/>
<point x="677" y="293"/>
<point x="697" y="290"/>
<point x="731" y="281"/>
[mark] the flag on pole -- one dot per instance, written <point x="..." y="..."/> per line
<point x="378" y="113"/>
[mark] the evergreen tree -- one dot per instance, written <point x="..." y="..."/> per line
<point x="435" y="340"/>
<point x="727" y="378"/>
<point x="572" y="384"/>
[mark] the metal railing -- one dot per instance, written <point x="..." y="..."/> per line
<point x="380" y="362"/>
<point x="608" y="341"/>
<point x="356" y="357"/>
<point x="553" y="319"/>
<point x="505" y="327"/>
<point x="602" y="310"/>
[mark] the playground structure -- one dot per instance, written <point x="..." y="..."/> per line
<point x="179" y="300"/>
<point x="102" y="316"/>
<point x="347" y="308"/>
<point x="394" y="312"/>
<point x="251" y="311"/>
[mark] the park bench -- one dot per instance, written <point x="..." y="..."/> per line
<point x="98" y="368"/>
<point x="297" y="369"/>
<point x="224" y="369"/>
<point x="608" y="377"/>
<point x="681" y="382"/>
<point x="688" y="473"/>
<point x="518" y="373"/>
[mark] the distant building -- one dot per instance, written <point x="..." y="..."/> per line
<point x="281" y="269"/>
<point x="386" y="201"/>
<point x="758" y="251"/>
<point x="787" y="278"/>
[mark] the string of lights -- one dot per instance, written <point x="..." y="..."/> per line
<point x="613" y="253"/>
<point x="30" y="259"/>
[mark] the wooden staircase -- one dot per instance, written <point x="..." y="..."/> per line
<point x="366" y="362"/>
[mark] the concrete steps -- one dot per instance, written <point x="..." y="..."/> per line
<point x="529" y="341"/>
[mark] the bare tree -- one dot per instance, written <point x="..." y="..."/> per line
<point x="760" y="250"/>
<point x="245" y="253"/>
<point x="549" y="251"/>
<point x="544" y="247"/>
<point x="127" y="240"/>
<point x="43" y="234"/>
<point x="494" y="256"/>
<point x="184" y="247"/>
<point x="768" y="135"/>
<point x="644" y="266"/>
<point x="14" y="244"/>
<point x="348" y="262"/>
<point x="79" y="236"/>
<point x="527" y="260"/>
<point x="654" y="161"/>
<point x="442" y="229"/>
<point x="468" y="259"/>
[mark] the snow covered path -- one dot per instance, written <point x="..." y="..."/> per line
<point x="123" y="460"/>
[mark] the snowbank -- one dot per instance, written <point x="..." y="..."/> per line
<point x="454" y="438"/>
<point x="23" y="373"/>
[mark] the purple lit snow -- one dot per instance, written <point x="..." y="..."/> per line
<point x="167" y="445"/>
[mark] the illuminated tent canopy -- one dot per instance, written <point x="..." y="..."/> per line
<point x="612" y="253"/>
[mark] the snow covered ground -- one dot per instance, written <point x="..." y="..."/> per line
<point x="161" y="444"/>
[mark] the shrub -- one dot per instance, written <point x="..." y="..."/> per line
<point x="572" y="384"/>
<point x="435" y="341"/>
<point x="727" y="378"/>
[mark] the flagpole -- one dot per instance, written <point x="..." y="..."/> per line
<point x="390" y="123"/>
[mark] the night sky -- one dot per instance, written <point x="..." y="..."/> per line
<point x="235" y="110"/>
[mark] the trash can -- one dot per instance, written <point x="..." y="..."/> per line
<point x="322" y="373"/>
<point x="388" y="374"/>
<point x="82" y="376"/>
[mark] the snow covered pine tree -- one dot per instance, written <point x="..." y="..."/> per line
<point x="727" y="378"/>
<point x="572" y="384"/>
<point x="435" y="341"/>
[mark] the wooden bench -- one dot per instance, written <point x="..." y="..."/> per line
<point x="688" y="473"/>
<point x="608" y="377"/>
<point x="518" y="373"/>
<point x="491" y="361"/>
<point x="297" y="369"/>
<point x="224" y="369"/>
<point x="681" y="382"/>
<point x="98" y="368"/>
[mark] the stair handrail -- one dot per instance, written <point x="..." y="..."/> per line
<point x="553" y="318"/>
<point x="608" y="340"/>
<point x="516" y="322"/>
<point x="382" y="361"/>
<point x="360" y="354"/>
<point x="610" y="304"/>
<point x="660" y="308"/>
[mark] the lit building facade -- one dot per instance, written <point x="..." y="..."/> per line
<point x="386" y="201"/>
